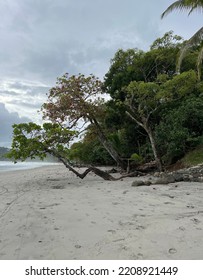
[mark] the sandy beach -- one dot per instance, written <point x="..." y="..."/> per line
<point x="48" y="213"/>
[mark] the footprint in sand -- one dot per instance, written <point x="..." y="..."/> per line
<point x="112" y="231"/>
<point x="118" y="240"/>
<point x="140" y="227"/>
<point x="196" y="221"/>
<point x="172" y="251"/>
<point x="115" y="203"/>
<point x="181" y="228"/>
<point x="167" y="202"/>
<point x="140" y="256"/>
<point x="125" y="192"/>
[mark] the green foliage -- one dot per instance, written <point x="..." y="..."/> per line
<point x="136" y="65"/>
<point x="145" y="86"/>
<point x="180" y="86"/>
<point x="180" y="128"/>
<point x="136" y="158"/>
<point x="142" y="98"/>
<point x="167" y="41"/>
<point x="89" y="152"/>
<point x="124" y="69"/>
<point x="31" y="140"/>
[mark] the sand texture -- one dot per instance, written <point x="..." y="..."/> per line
<point x="48" y="213"/>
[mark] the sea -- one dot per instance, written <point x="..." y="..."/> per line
<point x="10" y="166"/>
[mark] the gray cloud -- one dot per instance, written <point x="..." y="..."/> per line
<point x="41" y="40"/>
<point x="6" y="121"/>
<point x="40" y="36"/>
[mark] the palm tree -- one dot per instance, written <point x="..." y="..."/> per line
<point x="197" y="38"/>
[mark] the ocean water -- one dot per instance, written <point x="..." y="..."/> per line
<point x="10" y="166"/>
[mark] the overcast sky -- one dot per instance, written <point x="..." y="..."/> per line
<point x="43" y="39"/>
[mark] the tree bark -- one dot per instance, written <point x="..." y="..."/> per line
<point x="103" y="174"/>
<point x="145" y="126"/>
<point x="154" y="149"/>
<point x="98" y="172"/>
<point x="108" y="146"/>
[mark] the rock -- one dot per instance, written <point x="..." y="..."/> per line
<point x="148" y="183"/>
<point x="161" y="181"/>
<point x="178" y="177"/>
<point x="141" y="183"/>
<point x="138" y="183"/>
<point x="192" y="174"/>
<point x="165" y="180"/>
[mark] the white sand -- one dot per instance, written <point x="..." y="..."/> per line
<point x="48" y="213"/>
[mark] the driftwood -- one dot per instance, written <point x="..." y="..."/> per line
<point x="103" y="174"/>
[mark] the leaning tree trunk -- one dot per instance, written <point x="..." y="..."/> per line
<point x="145" y="126"/>
<point x="108" y="146"/>
<point x="154" y="148"/>
<point x="103" y="174"/>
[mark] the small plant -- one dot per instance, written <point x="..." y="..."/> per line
<point x="136" y="158"/>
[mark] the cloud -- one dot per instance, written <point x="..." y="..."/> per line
<point x="23" y="97"/>
<point x="7" y="120"/>
<point x="40" y="37"/>
<point x="42" y="40"/>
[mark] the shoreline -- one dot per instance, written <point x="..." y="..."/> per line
<point x="49" y="213"/>
<point x="9" y="166"/>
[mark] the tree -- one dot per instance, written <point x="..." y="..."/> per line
<point x="137" y="65"/>
<point x="141" y="103"/>
<point x="158" y="65"/>
<point x="77" y="99"/>
<point x="145" y="99"/>
<point x="31" y="140"/>
<point x="197" y="38"/>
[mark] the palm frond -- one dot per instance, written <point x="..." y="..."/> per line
<point x="198" y="4"/>
<point x="195" y="40"/>
<point x="177" y="5"/>
<point x="181" y="56"/>
<point x="183" y="5"/>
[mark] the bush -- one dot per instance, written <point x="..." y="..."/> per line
<point x="136" y="158"/>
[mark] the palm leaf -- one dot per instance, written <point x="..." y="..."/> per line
<point x="197" y="5"/>
<point x="183" y="5"/>
<point x="195" y="40"/>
